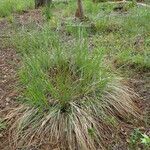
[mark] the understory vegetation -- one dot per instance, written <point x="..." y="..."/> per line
<point x="73" y="91"/>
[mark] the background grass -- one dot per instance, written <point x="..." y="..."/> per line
<point x="124" y="34"/>
<point x="7" y="7"/>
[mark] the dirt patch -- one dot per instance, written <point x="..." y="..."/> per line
<point x="8" y="62"/>
<point x="8" y="77"/>
<point x="141" y="84"/>
<point x="8" y="82"/>
<point x="28" y="18"/>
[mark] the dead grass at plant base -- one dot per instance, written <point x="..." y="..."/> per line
<point x="88" y="124"/>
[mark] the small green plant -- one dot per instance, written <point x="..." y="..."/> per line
<point x="137" y="138"/>
<point x="11" y="19"/>
<point x="145" y="139"/>
<point x="2" y="124"/>
<point x="47" y="12"/>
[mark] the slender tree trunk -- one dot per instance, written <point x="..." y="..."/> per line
<point x="39" y="3"/>
<point x="79" y="12"/>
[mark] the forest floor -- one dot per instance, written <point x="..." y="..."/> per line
<point x="10" y="61"/>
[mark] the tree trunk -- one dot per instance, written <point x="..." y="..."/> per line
<point x="79" y="12"/>
<point x="39" y="3"/>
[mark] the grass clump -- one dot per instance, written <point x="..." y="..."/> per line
<point x="70" y="96"/>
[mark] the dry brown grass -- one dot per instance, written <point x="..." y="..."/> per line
<point x="86" y="125"/>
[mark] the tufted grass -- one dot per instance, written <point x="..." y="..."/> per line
<point x="71" y="98"/>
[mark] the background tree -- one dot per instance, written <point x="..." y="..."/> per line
<point x="79" y="12"/>
<point x="39" y="3"/>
